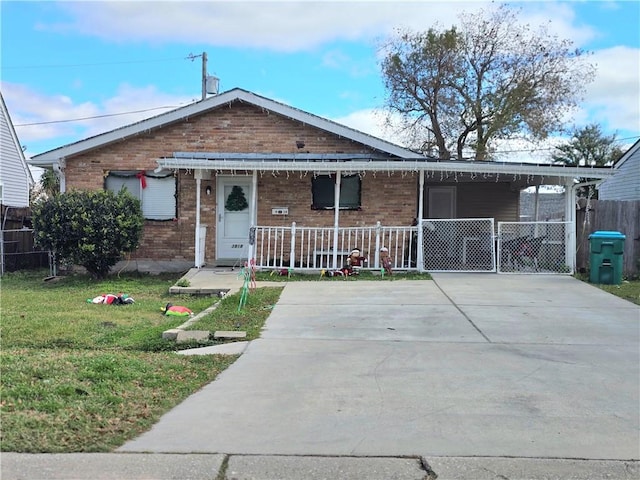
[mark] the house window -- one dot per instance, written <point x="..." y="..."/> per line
<point x="156" y="191"/>
<point x="323" y="192"/>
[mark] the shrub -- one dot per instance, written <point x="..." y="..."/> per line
<point x="89" y="228"/>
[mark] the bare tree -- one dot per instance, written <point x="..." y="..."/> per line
<point x="460" y="89"/>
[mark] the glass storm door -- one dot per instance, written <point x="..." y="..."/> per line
<point x="233" y="217"/>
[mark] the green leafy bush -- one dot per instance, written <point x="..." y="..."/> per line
<point x="89" y="228"/>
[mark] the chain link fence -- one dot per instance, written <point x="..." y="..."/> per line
<point x="459" y="245"/>
<point x="533" y="247"/>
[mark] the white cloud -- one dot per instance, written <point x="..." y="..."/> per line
<point x="613" y="99"/>
<point x="284" y="25"/>
<point x="559" y="18"/>
<point x="28" y="107"/>
<point x="31" y="110"/>
<point x="371" y="121"/>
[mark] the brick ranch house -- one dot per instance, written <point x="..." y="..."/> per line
<point x="238" y="176"/>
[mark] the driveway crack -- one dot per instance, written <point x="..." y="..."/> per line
<point x="462" y="312"/>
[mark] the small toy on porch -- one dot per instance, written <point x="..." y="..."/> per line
<point x="176" y="310"/>
<point x="385" y="262"/>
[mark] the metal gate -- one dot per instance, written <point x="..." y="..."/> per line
<point x="534" y="247"/>
<point x="459" y="245"/>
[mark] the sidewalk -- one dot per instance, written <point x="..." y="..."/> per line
<point x="155" y="466"/>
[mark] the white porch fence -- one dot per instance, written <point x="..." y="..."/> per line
<point x="449" y="245"/>
<point x="316" y="248"/>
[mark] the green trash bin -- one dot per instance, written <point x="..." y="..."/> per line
<point x="605" y="257"/>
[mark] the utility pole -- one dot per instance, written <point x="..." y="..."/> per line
<point x="210" y="84"/>
<point x="204" y="75"/>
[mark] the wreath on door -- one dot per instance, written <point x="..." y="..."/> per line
<point x="236" y="201"/>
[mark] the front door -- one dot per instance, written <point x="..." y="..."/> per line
<point x="233" y="218"/>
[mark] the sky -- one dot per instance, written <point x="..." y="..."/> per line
<point x="71" y="70"/>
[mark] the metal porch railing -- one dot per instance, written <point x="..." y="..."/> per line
<point x="316" y="248"/>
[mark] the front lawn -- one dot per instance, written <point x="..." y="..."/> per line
<point x="81" y="377"/>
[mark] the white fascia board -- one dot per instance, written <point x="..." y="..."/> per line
<point x="385" y="166"/>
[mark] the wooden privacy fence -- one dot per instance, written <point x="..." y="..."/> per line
<point x="18" y="252"/>
<point x="610" y="215"/>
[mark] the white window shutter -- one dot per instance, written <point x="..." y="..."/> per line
<point x="158" y="198"/>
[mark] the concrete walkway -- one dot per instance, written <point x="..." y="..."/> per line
<point x="470" y="376"/>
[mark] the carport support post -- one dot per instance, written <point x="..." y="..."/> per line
<point x="292" y="250"/>
<point x="253" y="216"/>
<point x="419" y="247"/>
<point x="570" y="232"/>
<point x="336" y="218"/>
<point x="197" y="245"/>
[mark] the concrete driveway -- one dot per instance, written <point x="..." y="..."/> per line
<point x="465" y="365"/>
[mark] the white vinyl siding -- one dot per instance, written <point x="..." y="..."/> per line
<point x="625" y="184"/>
<point x="14" y="174"/>
<point x="158" y="198"/>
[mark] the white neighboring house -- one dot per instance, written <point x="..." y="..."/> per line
<point x="15" y="176"/>
<point x="625" y="183"/>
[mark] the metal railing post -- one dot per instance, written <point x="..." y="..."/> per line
<point x="292" y="253"/>
<point x="336" y="218"/>
<point x="376" y="263"/>
<point x="419" y="236"/>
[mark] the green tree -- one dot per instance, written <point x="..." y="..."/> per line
<point x="588" y="146"/>
<point x="89" y="228"/>
<point x="459" y="90"/>
<point x="47" y="187"/>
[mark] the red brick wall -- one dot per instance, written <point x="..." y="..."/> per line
<point x="241" y="128"/>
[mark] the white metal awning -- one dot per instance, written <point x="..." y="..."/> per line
<point x="356" y="163"/>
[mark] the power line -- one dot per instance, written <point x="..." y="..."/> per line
<point x="94" y="117"/>
<point x="18" y="67"/>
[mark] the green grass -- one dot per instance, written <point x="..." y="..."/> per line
<point x="250" y="318"/>
<point x="628" y="289"/>
<point x="65" y="400"/>
<point x="81" y="377"/>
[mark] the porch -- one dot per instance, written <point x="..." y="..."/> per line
<point x="433" y="245"/>
<point x="313" y="209"/>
